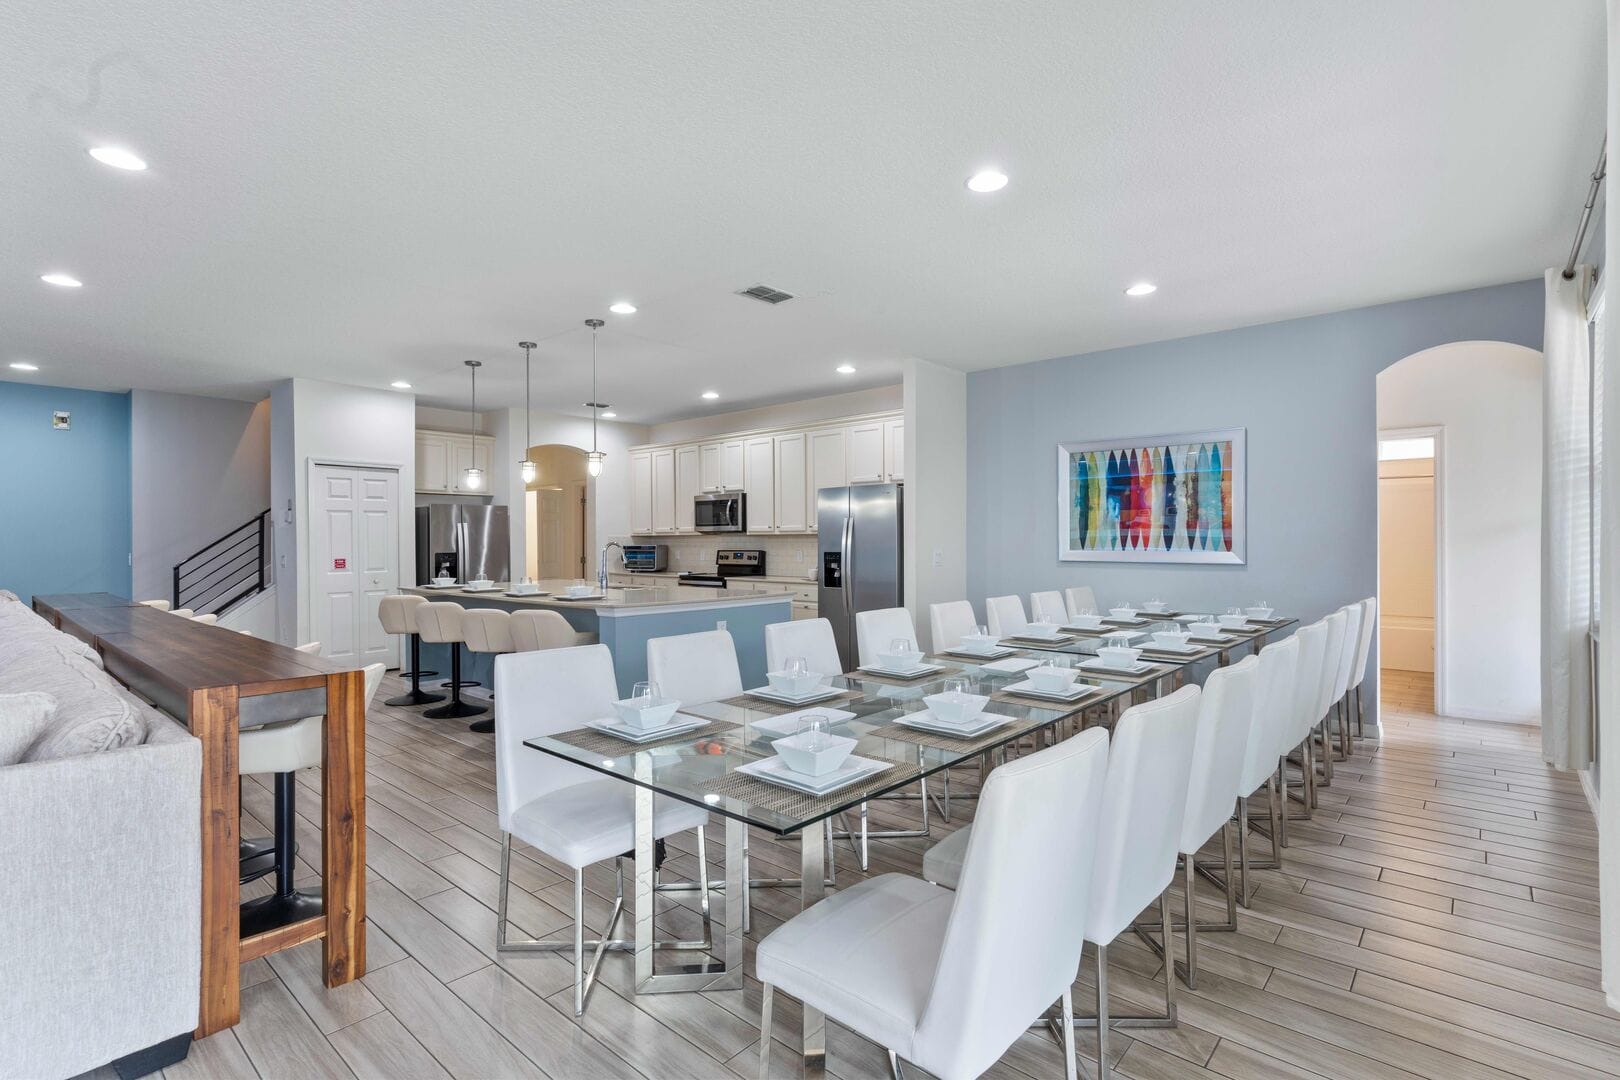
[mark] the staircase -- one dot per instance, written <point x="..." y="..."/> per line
<point x="226" y="571"/>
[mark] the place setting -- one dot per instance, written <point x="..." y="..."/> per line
<point x="953" y="719"/>
<point x="1171" y="645"/>
<point x="1118" y="658"/>
<point x="813" y="760"/>
<point x="902" y="660"/>
<point x="580" y="590"/>
<point x="794" y="686"/>
<point x="481" y="585"/>
<point x="443" y="581"/>
<point x="979" y="645"/>
<point x="525" y="587"/>
<point x="1056" y="680"/>
<point x="1130" y="615"/>
<point x="1039" y="633"/>
<point x="645" y="717"/>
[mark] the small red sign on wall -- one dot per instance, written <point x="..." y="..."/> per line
<point x="340" y="564"/>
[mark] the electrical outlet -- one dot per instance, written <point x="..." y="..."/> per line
<point x="939" y="558"/>
<point x="720" y="625"/>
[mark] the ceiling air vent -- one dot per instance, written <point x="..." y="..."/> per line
<point x="766" y="294"/>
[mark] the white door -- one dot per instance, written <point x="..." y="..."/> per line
<point x="354" y="561"/>
<point x="553" y="525"/>
<point x="1406" y="564"/>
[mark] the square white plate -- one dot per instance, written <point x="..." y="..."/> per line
<point x="1011" y="667"/>
<point x="1054" y="639"/>
<point x="820" y="693"/>
<point x="1182" y="650"/>
<point x="450" y="586"/>
<point x="593" y="596"/>
<point x="915" y="673"/>
<point x="775" y="771"/>
<point x="1114" y="621"/>
<point x="1128" y="635"/>
<point x="788" y="723"/>
<point x="992" y="653"/>
<point x="1220" y="639"/>
<point x="486" y="588"/>
<point x="620" y="730"/>
<point x="1096" y="664"/>
<point x="540" y="592"/>
<point x="927" y="721"/>
<point x="1073" y="693"/>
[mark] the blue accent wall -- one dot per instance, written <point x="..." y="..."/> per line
<point x="64" y="495"/>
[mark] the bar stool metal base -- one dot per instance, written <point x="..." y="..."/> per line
<point x="485" y="726"/>
<point x="274" y="912"/>
<point x="456" y="709"/>
<point x="417" y="695"/>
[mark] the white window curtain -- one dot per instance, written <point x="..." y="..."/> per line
<point x="1566" y="516"/>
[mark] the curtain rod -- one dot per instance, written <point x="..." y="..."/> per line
<point x="1586" y="212"/>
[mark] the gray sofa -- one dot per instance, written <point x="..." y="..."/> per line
<point x="100" y="877"/>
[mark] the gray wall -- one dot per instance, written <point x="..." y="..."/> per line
<point x="1304" y="389"/>
<point x="199" y="467"/>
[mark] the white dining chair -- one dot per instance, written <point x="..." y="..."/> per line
<point x="561" y="808"/>
<point x="1307" y="695"/>
<point x="811" y="639"/>
<point x="1369" y="627"/>
<point x="1332" y="656"/>
<point x="1048" y="607"/>
<point x="1079" y="599"/>
<point x="1004" y="615"/>
<point x="1139" y="833"/>
<point x="1265" y="751"/>
<point x="950" y="622"/>
<point x="695" y="668"/>
<point x="1225" y="714"/>
<point x="949" y="980"/>
<point x="1337" y="725"/>
<point x="876" y="629"/>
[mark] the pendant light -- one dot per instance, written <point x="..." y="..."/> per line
<point x="526" y="467"/>
<point x="593" y="460"/>
<point x="472" y="477"/>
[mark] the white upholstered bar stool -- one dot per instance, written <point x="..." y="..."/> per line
<point x="1048" y="607"/>
<point x="1139" y="831"/>
<point x="284" y="748"/>
<point x="950" y="622"/>
<point x="398" y="616"/>
<point x="1267" y="746"/>
<point x="439" y="623"/>
<point x="1358" y="675"/>
<point x="183" y="612"/>
<point x="206" y="620"/>
<point x="1080" y="599"/>
<point x="559" y="807"/>
<point x="486" y="630"/>
<point x="948" y="980"/>
<point x="876" y="629"/>
<point x="542" y="629"/>
<point x="1004" y="615"/>
<point x="161" y="605"/>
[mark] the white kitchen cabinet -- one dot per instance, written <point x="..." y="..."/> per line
<point x="829" y="466"/>
<point x="443" y="456"/>
<point x="894" y="450"/>
<point x="866" y="465"/>
<point x="687" y="475"/>
<point x="791" y="483"/>
<point x="467" y="453"/>
<point x="641" y="492"/>
<point x="759" y="479"/>
<point x="722" y="466"/>
<point x="663" y="490"/>
<point x="432" y="461"/>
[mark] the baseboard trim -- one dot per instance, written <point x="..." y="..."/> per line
<point x="1589" y="791"/>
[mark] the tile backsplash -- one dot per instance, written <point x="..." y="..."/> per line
<point x="785" y="556"/>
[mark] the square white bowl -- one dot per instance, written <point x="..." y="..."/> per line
<point x="444" y="581"/>
<point x="645" y="717"/>
<point x="1087" y="622"/>
<point x="1259" y="612"/>
<point x="1122" y="612"/>
<point x="956" y="708"/>
<point x="1170" y="639"/>
<point x="1234" y="622"/>
<point x="1052" y="680"/>
<point x="900" y="661"/>
<point x="978" y="642"/>
<point x="1120" y="659"/>
<point x="796" y="756"/>
<point x="1044" y="630"/>
<point x="1155" y="607"/>
<point x="794" y="685"/>
<point x="1206" y="629"/>
<point x="481" y="583"/>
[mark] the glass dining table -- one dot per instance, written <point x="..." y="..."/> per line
<point x="715" y="765"/>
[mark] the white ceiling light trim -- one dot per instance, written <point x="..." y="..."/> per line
<point x="400" y="384"/>
<point x="846" y="369"/>
<point x="987" y="180"/>
<point x="1142" y="288"/>
<point x="711" y="395"/>
<point x="622" y="307"/>
<point x="23" y="365"/>
<point x="118" y="158"/>
<point x="61" y="281"/>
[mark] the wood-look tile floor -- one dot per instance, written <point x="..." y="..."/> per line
<point x="1437" y="918"/>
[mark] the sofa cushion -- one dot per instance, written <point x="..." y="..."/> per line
<point x="93" y="713"/>
<point x="22" y="718"/>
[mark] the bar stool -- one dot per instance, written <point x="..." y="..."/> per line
<point x="438" y="622"/>
<point x="207" y="620"/>
<point x="161" y="605"/>
<point x="398" y="616"/>
<point x="536" y="630"/>
<point x="486" y="630"/>
<point x="256" y="855"/>
<point x="283" y="749"/>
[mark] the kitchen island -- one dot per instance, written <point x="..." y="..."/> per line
<point x="625" y="617"/>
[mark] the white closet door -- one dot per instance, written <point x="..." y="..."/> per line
<point x="353" y="561"/>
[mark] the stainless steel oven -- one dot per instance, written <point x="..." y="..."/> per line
<point x="725" y="512"/>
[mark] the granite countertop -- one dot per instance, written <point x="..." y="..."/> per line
<point x="618" y="598"/>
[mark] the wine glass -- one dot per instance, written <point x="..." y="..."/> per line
<point x="812" y="732"/>
<point x="644" y="694"/>
<point x="901" y="645"/>
<point x="957" y="688"/>
<point x="797" y="667"/>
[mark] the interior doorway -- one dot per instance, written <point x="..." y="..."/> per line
<point x="557" y="508"/>
<point x="1408" y="526"/>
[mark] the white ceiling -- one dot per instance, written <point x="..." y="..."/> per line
<point x="364" y="192"/>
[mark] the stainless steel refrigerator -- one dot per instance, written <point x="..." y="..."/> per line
<point x="465" y="541"/>
<point x="861" y="561"/>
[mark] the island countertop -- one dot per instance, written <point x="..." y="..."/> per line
<point x="619" y="599"/>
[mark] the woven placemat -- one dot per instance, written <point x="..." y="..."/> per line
<point x="600" y="742"/>
<point x="938" y="741"/>
<point x="797" y="804"/>
<point x="773" y="708"/>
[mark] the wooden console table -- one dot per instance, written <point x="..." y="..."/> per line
<point x="214" y="679"/>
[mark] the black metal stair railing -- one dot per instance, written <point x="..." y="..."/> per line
<point x="229" y="570"/>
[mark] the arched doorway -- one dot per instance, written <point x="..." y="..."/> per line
<point x="557" y="512"/>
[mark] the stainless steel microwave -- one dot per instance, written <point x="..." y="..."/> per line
<point x="725" y="512"/>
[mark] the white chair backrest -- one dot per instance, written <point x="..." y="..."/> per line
<point x="439" y="620"/>
<point x="311" y="647"/>
<point x="810" y="638"/>
<point x="487" y="630"/>
<point x="994" y="974"/>
<point x="1307" y="681"/>
<point x="208" y="619"/>
<point x="183" y="612"/>
<point x="394" y="612"/>
<point x="1369" y="626"/>
<point x="541" y="693"/>
<point x="875" y="629"/>
<point x="1139" y="823"/>
<point x="373" y="675"/>
<point x="1225" y="713"/>
<point x="540" y="630"/>
<point x="1004" y="615"/>
<point x="695" y="668"/>
<point x="1048" y="607"/>
<point x="949" y="622"/>
<point x="1347" y="649"/>
<point x="1080" y="599"/>
<point x="1273" y="722"/>
<point x="1331" y="656"/>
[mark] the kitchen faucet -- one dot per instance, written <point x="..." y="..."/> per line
<point x="601" y="565"/>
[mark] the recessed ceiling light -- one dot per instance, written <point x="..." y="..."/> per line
<point x="400" y="384"/>
<point x="623" y="307"/>
<point x="1141" y="288"/>
<point x="609" y="415"/>
<point x="23" y="365"/>
<point x="711" y="395"/>
<point x="118" y="158"/>
<point x="986" y="181"/>
<point x="846" y="369"/>
<point x="65" y="281"/>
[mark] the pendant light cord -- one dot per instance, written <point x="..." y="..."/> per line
<point x="596" y="406"/>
